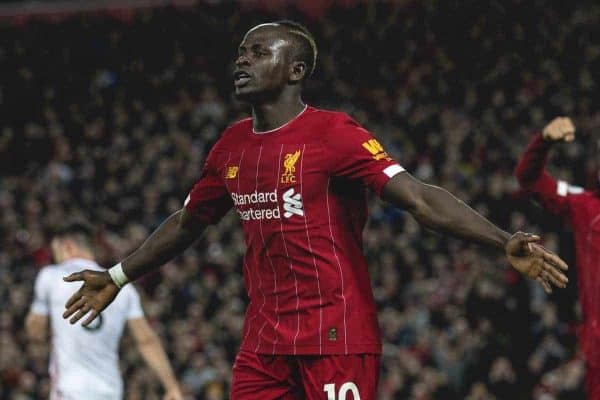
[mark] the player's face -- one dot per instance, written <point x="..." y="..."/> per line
<point x="262" y="67"/>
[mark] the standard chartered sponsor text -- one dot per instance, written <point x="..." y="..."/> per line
<point x="256" y="198"/>
<point x="256" y="214"/>
<point x="267" y="204"/>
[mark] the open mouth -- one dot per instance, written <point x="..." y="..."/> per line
<point x="240" y="78"/>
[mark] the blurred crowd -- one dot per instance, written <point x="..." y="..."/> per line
<point x="109" y="119"/>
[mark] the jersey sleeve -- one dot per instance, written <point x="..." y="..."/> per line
<point x="555" y="196"/>
<point x="41" y="294"/>
<point x="209" y="200"/>
<point x="134" y="306"/>
<point x="355" y="154"/>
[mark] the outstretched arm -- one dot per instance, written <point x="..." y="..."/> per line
<point x="440" y="211"/>
<point x="176" y="234"/>
<point x="153" y="353"/>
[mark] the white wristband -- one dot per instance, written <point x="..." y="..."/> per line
<point x="118" y="276"/>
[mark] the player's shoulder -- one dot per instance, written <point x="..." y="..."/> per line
<point x="52" y="274"/>
<point x="78" y="264"/>
<point x="339" y="128"/>
<point x="333" y="118"/>
<point x="233" y="132"/>
<point x="333" y="124"/>
<point x="48" y="271"/>
<point x="232" y="136"/>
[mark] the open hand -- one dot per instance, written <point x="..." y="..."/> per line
<point x="535" y="262"/>
<point x="96" y="293"/>
<point x="559" y="129"/>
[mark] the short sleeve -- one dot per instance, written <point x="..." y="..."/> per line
<point x="209" y="200"/>
<point x="356" y="154"/>
<point x="134" y="305"/>
<point x="41" y="294"/>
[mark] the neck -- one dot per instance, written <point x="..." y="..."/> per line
<point x="272" y="115"/>
<point x="82" y="254"/>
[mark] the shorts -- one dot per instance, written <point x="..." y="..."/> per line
<point x="310" y="377"/>
<point x="592" y="382"/>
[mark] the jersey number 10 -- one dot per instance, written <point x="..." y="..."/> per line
<point x="329" y="388"/>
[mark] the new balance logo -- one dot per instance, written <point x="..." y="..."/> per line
<point x="232" y="172"/>
<point x="292" y="203"/>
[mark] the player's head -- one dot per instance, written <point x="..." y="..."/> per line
<point x="272" y="58"/>
<point x="71" y="240"/>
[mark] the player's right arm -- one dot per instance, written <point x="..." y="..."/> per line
<point x="531" y="172"/>
<point x="171" y="238"/>
<point x="207" y="202"/>
<point x="36" y="322"/>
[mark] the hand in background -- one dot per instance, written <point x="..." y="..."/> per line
<point x="559" y="129"/>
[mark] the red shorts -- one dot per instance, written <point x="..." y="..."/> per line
<point x="331" y="377"/>
<point x="592" y="382"/>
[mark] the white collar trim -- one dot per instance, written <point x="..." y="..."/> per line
<point x="284" y="125"/>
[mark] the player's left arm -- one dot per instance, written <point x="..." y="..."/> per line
<point x="357" y="155"/>
<point x="153" y="353"/>
<point x="439" y="210"/>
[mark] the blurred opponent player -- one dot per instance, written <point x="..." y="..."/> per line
<point x="581" y="210"/>
<point x="297" y="177"/>
<point x="84" y="363"/>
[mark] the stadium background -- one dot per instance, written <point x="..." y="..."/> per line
<point x="108" y="115"/>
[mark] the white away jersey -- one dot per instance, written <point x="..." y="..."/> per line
<point x="84" y="363"/>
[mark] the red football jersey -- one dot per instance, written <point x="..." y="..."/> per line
<point x="300" y="192"/>
<point x="581" y="209"/>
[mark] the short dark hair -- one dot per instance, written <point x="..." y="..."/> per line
<point x="78" y="231"/>
<point x="306" y="47"/>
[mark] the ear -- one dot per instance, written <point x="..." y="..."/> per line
<point x="298" y="71"/>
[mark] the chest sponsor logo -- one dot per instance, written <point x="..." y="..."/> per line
<point x="376" y="150"/>
<point x="232" y="172"/>
<point x="292" y="203"/>
<point x="289" y="165"/>
<point x="264" y="205"/>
